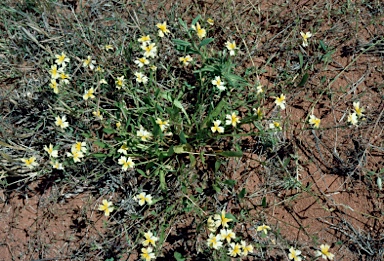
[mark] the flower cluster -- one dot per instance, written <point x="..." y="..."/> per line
<point x="77" y="151"/>
<point x="357" y="114"/>
<point x="58" y="73"/>
<point x="143" y="198"/>
<point x="148" y="242"/>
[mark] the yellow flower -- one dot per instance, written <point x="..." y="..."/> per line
<point x="210" y="21"/>
<point x="142" y="198"/>
<point x="127" y="163"/>
<point x="79" y="146"/>
<point x="305" y="37"/>
<point x="144" y="134"/>
<point x="264" y="228"/>
<point x="352" y="118"/>
<point x="150" y="50"/>
<point x="227" y="234"/>
<point x="214" y="241"/>
<point x="61" y="59"/>
<point x="76" y="155"/>
<point x="57" y="165"/>
<point x="30" y="163"/>
<point x="123" y="149"/>
<point x="51" y="152"/>
<point x="162" y="124"/>
<point x="145" y="39"/>
<point x="280" y="101"/>
<point x="200" y="31"/>
<point x="54" y="86"/>
<point x="118" y="125"/>
<point x="221" y="219"/>
<point x="89" y="94"/>
<point x="235" y="250"/>
<point x="54" y="72"/>
<point x="186" y="60"/>
<point x="108" y="47"/>
<point x="64" y="77"/>
<point x="259" y="89"/>
<point x="120" y="82"/>
<point x="294" y="254"/>
<point x="107" y="207"/>
<point x="141" y="77"/>
<point x="150" y="239"/>
<point x="62" y="122"/>
<point x="219" y="83"/>
<point x="258" y="112"/>
<point x="103" y="81"/>
<point x="275" y="125"/>
<point x="217" y="127"/>
<point x="314" y="121"/>
<point x="153" y="68"/>
<point x="231" y="46"/>
<point x="211" y="224"/>
<point x="359" y="111"/>
<point x="97" y="115"/>
<point x="99" y="69"/>
<point x="162" y="29"/>
<point x="141" y="62"/>
<point x="232" y="119"/>
<point x="146" y="254"/>
<point x="246" y="248"/>
<point x="324" y="252"/>
<point x="89" y="63"/>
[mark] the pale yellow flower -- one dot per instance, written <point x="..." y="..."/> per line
<point x="352" y="118"/>
<point x="153" y="68"/>
<point x="89" y="94"/>
<point x="305" y="37"/>
<point x="150" y="239"/>
<point x="51" y="152"/>
<point x="142" y="198"/>
<point x="227" y="234"/>
<point x="359" y="111"/>
<point x="162" y="29"/>
<point x="150" y="50"/>
<point x="53" y="84"/>
<point x="76" y="155"/>
<point x="263" y="228"/>
<point x="126" y="163"/>
<point x="89" y="63"/>
<point x="54" y="72"/>
<point x="123" y="149"/>
<point x="61" y="59"/>
<point x="30" y="163"/>
<point x="217" y="127"/>
<point x="162" y="124"/>
<point x="120" y="82"/>
<point x="275" y="125"/>
<point x="258" y="112"/>
<point x="231" y="46"/>
<point x="98" y="115"/>
<point x="314" y="121"/>
<point x="235" y="250"/>
<point x="294" y="254"/>
<point x="201" y="33"/>
<point x="210" y="21"/>
<point x="108" y="47"/>
<point x="219" y="83"/>
<point x="79" y="146"/>
<point x="211" y="224"/>
<point x="144" y="134"/>
<point x="232" y="119"/>
<point x="280" y="101"/>
<point x="145" y="39"/>
<point x="146" y="254"/>
<point x="259" y="89"/>
<point x="141" y="62"/>
<point x="246" y="248"/>
<point x="324" y="252"/>
<point x="106" y="206"/>
<point x="186" y="60"/>
<point x="214" y="241"/>
<point x="118" y="125"/>
<point x="103" y="81"/>
<point x="99" y="69"/>
<point x="57" y="165"/>
<point x="222" y="220"/>
<point x="141" y="78"/>
<point x="64" y="77"/>
<point x="61" y="122"/>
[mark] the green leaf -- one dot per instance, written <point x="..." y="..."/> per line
<point x="100" y="144"/>
<point x="234" y="79"/>
<point x="206" y="41"/>
<point x="183" y="139"/>
<point x="178" y="104"/>
<point x="142" y="173"/>
<point x="99" y="155"/>
<point x="181" y="42"/>
<point x="194" y="21"/>
<point x="264" y="202"/>
<point x="183" y="24"/>
<point x="178" y="256"/>
<point x="109" y="130"/>
<point x="242" y="193"/>
<point x="218" y="110"/>
<point x="217" y="165"/>
<point x="230" y="182"/>
<point x="323" y="46"/>
<point x="303" y="80"/>
<point x="231" y="154"/>
<point x="301" y="60"/>
<point x="179" y="149"/>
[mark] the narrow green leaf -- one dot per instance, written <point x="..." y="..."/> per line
<point x="108" y="130"/>
<point x="230" y="182"/>
<point x="183" y="139"/>
<point x="99" y="155"/>
<point x="181" y="42"/>
<point x="142" y="173"/>
<point x="205" y="42"/>
<point x="178" y="104"/>
<point x="303" y="80"/>
<point x="323" y="46"/>
<point x="163" y="184"/>
<point x="301" y="60"/>
<point x="183" y="24"/>
<point x="231" y="154"/>
<point x="100" y="144"/>
<point x="264" y="202"/>
<point x="194" y="21"/>
<point x="242" y="193"/>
